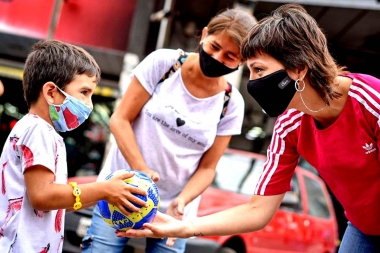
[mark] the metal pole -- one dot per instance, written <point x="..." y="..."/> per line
<point x="164" y="25"/>
<point x="54" y="18"/>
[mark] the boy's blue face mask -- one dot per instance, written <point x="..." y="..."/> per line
<point x="69" y="115"/>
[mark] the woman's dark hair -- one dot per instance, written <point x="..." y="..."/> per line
<point x="294" y="38"/>
<point x="57" y="62"/>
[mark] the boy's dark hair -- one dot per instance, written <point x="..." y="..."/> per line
<point x="57" y="62"/>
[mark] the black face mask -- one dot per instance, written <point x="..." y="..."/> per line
<point x="273" y="92"/>
<point x="211" y="67"/>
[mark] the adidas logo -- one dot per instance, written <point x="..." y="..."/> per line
<point x="369" y="148"/>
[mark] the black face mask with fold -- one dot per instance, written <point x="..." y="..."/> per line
<point x="273" y="92"/>
<point x="211" y="67"/>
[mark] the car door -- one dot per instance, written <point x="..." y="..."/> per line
<point x="320" y="226"/>
<point x="283" y="233"/>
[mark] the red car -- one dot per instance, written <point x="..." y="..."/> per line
<point x="305" y="221"/>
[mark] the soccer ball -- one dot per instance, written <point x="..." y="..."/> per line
<point x="116" y="219"/>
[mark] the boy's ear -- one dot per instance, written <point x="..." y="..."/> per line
<point x="50" y="92"/>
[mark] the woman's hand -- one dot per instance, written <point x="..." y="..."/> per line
<point x="176" y="210"/>
<point x="152" y="174"/>
<point x="162" y="226"/>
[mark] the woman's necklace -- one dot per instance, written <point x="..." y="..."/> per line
<point x="337" y="88"/>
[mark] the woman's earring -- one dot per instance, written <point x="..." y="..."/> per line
<point x="297" y="85"/>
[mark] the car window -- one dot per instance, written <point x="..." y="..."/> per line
<point x="307" y="166"/>
<point x="238" y="173"/>
<point x="292" y="199"/>
<point x="317" y="204"/>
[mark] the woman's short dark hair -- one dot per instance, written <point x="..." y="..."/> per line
<point x="57" y="62"/>
<point x="294" y="38"/>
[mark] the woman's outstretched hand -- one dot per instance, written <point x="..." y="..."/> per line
<point x="162" y="226"/>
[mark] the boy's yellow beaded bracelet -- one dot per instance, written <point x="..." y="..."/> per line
<point x="76" y="193"/>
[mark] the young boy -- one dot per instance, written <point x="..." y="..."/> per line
<point x="59" y="80"/>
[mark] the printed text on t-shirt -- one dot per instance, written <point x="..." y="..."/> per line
<point x="175" y="129"/>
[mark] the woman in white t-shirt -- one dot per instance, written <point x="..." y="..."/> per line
<point x="175" y="129"/>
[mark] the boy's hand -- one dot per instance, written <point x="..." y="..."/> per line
<point x="162" y="226"/>
<point x="120" y="194"/>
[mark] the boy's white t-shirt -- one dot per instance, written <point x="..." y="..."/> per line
<point x="32" y="141"/>
<point x="174" y="128"/>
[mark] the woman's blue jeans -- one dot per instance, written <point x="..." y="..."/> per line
<point x="101" y="238"/>
<point x="355" y="241"/>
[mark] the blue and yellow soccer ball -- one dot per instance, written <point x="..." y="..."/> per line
<point x="116" y="219"/>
